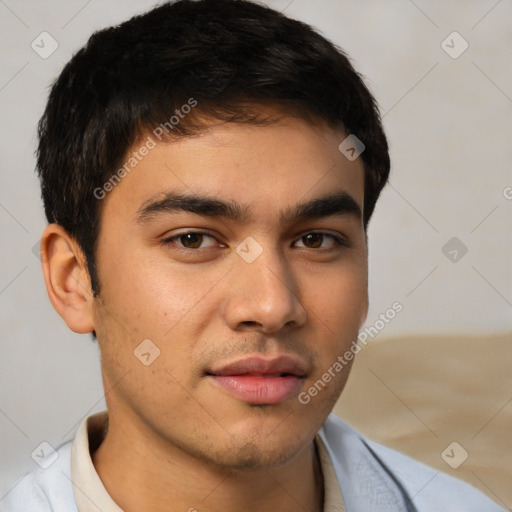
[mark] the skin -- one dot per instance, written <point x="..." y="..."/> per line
<point x="174" y="437"/>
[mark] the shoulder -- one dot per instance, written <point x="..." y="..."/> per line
<point x="430" y="487"/>
<point x="427" y="488"/>
<point x="43" y="490"/>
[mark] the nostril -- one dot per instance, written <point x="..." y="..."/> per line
<point x="251" y="323"/>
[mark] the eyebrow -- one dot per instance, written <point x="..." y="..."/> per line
<point x="335" y="204"/>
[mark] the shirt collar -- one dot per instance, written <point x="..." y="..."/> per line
<point x="90" y="493"/>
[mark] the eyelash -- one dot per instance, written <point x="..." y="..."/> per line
<point x="339" y="240"/>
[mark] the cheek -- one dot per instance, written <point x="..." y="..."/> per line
<point x="171" y="305"/>
<point x="146" y="290"/>
<point x="339" y="299"/>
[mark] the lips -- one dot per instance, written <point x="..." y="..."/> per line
<point x="277" y="365"/>
<point x="259" y="380"/>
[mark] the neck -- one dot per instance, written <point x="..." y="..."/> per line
<point x="141" y="471"/>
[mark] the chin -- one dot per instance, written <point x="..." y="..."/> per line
<point x="245" y="454"/>
<point x="255" y="444"/>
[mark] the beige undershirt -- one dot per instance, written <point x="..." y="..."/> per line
<point x="91" y="495"/>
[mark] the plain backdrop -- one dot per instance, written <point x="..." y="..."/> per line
<point x="448" y="120"/>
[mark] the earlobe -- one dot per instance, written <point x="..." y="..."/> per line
<point x="67" y="279"/>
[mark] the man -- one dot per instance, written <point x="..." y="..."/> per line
<point x="209" y="170"/>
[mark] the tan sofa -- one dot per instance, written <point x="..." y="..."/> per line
<point x="421" y="395"/>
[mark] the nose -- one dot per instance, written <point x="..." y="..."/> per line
<point x="264" y="296"/>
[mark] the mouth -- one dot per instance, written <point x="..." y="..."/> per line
<point x="259" y="380"/>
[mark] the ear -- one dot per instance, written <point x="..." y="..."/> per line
<point x="67" y="279"/>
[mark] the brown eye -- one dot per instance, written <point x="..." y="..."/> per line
<point x="313" y="240"/>
<point x="320" y="240"/>
<point x="191" y="240"/>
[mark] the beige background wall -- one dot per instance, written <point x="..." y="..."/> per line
<point x="449" y="126"/>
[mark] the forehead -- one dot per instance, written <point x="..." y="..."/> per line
<point x="266" y="169"/>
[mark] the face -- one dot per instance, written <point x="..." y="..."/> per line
<point x="233" y="273"/>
